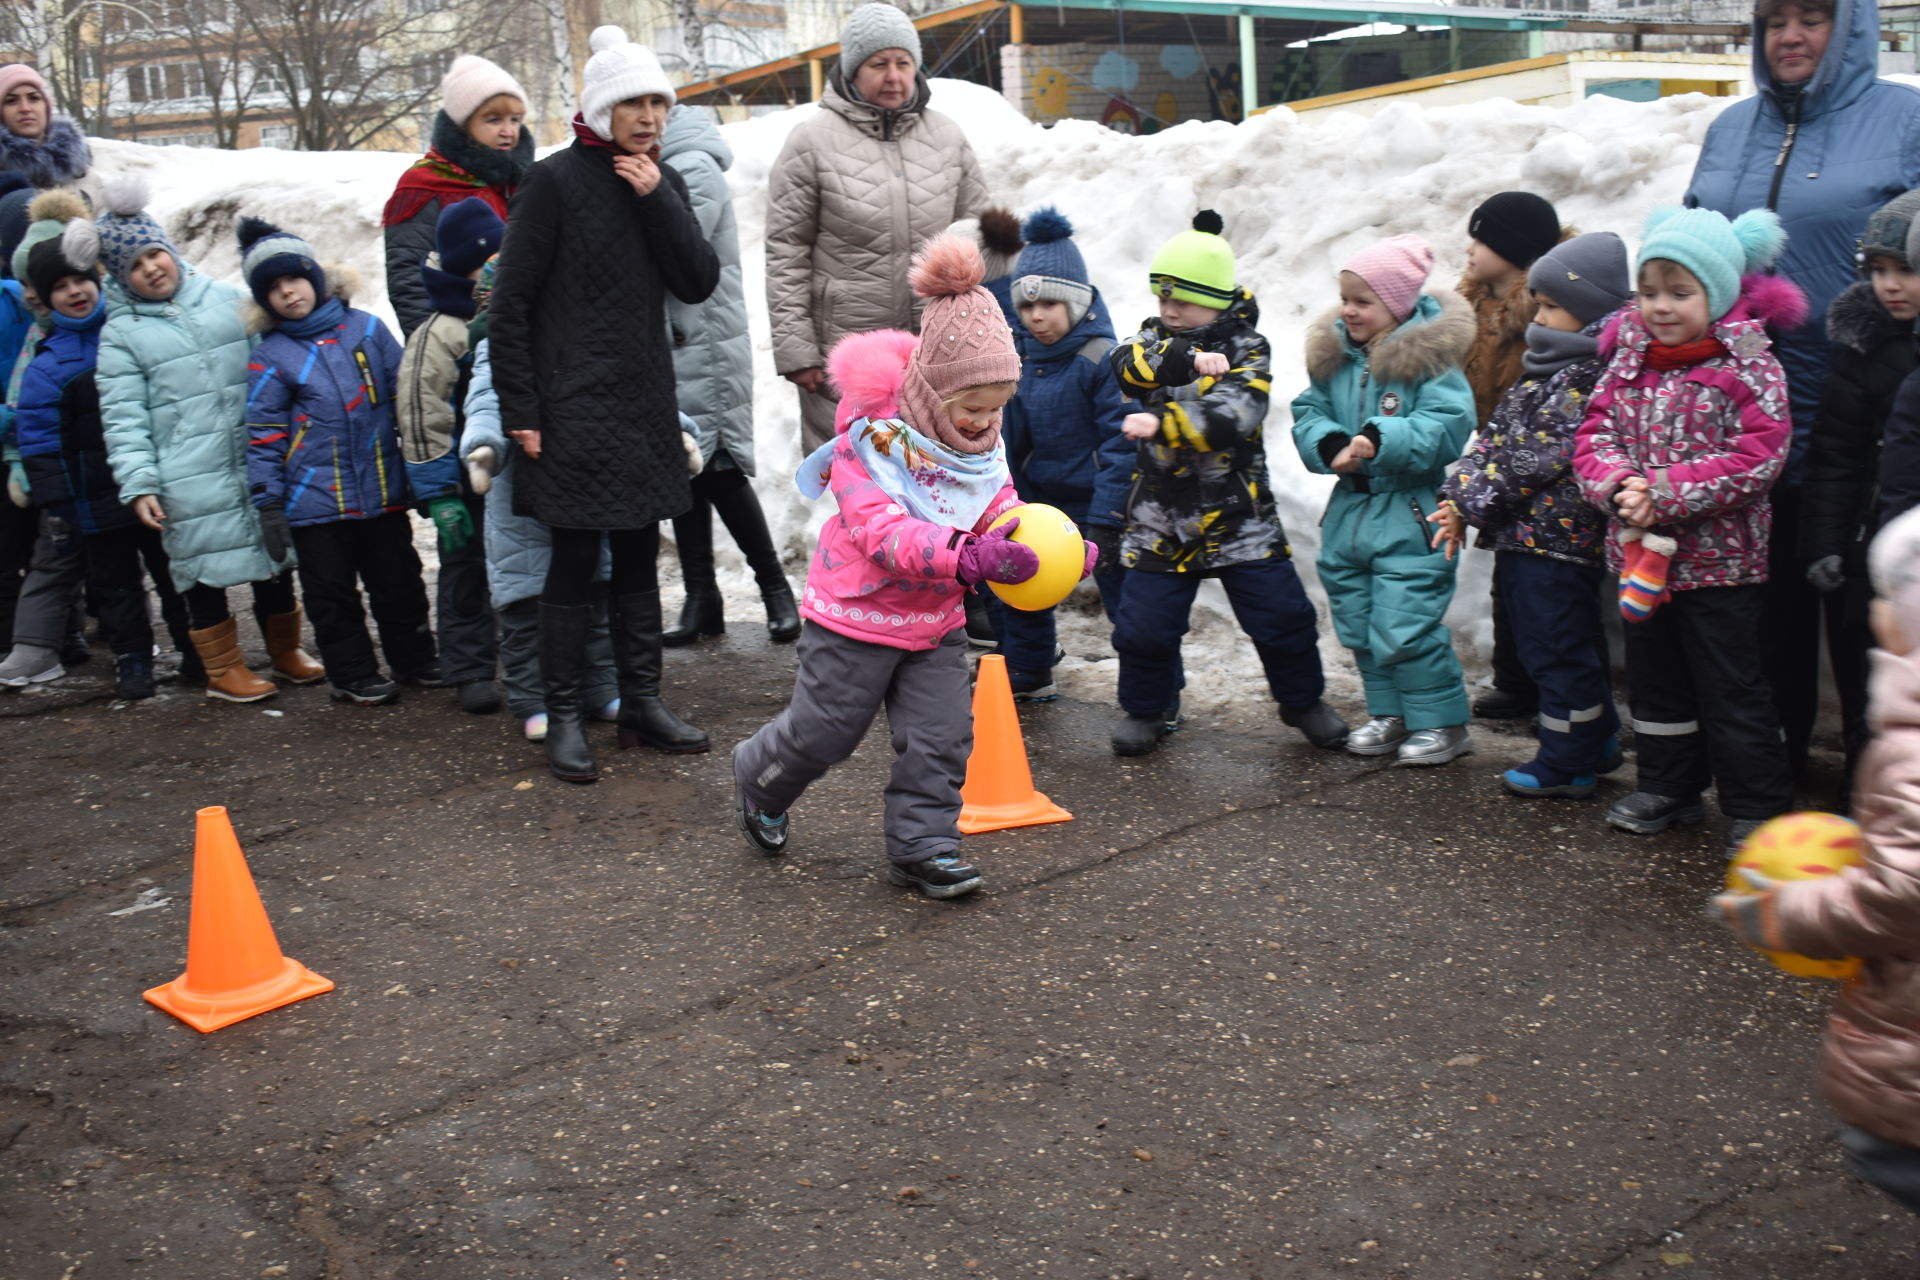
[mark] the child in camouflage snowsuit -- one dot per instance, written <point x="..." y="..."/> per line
<point x="1200" y="506"/>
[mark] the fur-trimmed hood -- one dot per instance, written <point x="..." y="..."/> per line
<point x="1858" y="320"/>
<point x="343" y="282"/>
<point x="1426" y="344"/>
<point x="58" y="158"/>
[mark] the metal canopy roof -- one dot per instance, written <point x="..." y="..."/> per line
<point x="964" y="41"/>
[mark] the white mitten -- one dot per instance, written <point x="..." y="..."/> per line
<point x="694" y="461"/>
<point x="480" y="469"/>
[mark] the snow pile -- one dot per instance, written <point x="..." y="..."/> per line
<point x="1297" y="197"/>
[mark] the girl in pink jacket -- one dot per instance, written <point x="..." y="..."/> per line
<point x="918" y="471"/>
<point x="1686" y="432"/>
<point x="1870" y="1065"/>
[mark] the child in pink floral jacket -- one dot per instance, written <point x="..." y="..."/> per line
<point x="919" y="474"/>
<point x="1685" y="434"/>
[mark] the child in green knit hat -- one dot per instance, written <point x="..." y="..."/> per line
<point x="1200" y="506"/>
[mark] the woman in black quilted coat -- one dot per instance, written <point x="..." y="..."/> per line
<point x="599" y="234"/>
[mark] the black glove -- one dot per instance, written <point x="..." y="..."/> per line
<point x="275" y="531"/>
<point x="1106" y="539"/>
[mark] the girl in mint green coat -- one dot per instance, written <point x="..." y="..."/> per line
<point x="173" y="392"/>
<point x="1387" y="411"/>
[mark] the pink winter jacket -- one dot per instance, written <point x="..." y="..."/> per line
<point x="878" y="573"/>
<point x="1711" y="438"/>
<point x="1870" y="1067"/>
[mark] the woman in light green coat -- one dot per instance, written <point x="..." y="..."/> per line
<point x="173" y="400"/>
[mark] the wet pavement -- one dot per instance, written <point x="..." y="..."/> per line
<point x="1258" y="1011"/>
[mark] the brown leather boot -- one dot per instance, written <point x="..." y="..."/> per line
<point x="282" y="632"/>
<point x="227" y="674"/>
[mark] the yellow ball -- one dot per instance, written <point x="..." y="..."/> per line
<point x="1800" y="846"/>
<point x="1062" y="551"/>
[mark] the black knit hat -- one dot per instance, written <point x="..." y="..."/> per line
<point x="1517" y="225"/>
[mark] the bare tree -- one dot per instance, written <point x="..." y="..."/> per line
<point x="67" y="42"/>
<point x="352" y="70"/>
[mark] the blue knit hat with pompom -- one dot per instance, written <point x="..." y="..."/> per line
<point x="267" y="254"/>
<point x="1050" y="267"/>
<point x="1718" y="252"/>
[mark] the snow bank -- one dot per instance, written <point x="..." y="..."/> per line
<point x="1297" y="197"/>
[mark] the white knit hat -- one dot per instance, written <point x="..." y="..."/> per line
<point x="619" y="69"/>
<point x="470" y="81"/>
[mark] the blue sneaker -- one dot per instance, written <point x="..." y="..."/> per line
<point x="1522" y="783"/>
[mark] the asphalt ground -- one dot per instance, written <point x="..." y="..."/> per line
<point x="1257" y="1011"/>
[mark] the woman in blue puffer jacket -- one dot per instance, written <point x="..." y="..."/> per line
<point x="1823" y="142"/>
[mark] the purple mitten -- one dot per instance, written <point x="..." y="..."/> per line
<point x="991" y="557"/>
<point x="1093" y="558"/>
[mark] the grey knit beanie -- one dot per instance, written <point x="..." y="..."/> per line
<point x="1889" y="232"/>
<point x="871" y="28"/>
<point x="1587" y="275"/>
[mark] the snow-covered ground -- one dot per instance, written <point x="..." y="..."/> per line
<point x="1297" y="197"/>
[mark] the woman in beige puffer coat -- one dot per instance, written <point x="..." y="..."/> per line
<point x="857" y="190"/>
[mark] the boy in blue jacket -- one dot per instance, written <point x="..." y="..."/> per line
<point x="324" y="466"/>
<point x="434" y="374"/>
<point x="1062" y="433"/>
<point x="63" y="455"/>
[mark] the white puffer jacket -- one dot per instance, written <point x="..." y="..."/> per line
<point x="855" y="192"/>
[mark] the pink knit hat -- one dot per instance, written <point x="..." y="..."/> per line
<point x="471" y="82"/>
<point x="1395" y="269"/>
<point x="15" y="74"/>
<point x="964" y="338"/>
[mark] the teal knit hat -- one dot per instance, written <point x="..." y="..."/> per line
<point x="1716" y="251"/>
<point x="1196" y="266"/>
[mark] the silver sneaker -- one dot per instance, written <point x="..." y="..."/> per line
<point x="1378" y="736"/>
<point x="30" y="664"/>
<point x="1436" y="746"/>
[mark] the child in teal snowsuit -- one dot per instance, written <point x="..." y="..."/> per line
<point x="1388" y="408"/>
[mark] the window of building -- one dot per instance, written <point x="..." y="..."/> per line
<point x="276" y="135"/>
<point x="180" y="140"/>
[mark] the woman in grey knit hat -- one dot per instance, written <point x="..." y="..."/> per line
<point x="857" y="190"/>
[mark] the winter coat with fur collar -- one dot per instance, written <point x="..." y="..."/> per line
<point x="1500" y="320"/>
<point x="1870" y="1067"/>
<point x="58" y="159"/>
<point x="1200" y="498"/>
<point x="1711" y="438"/>
<point x="1873" y="354"/>
<point x="1404" y="391"/>
<point x="1516" y="483"/>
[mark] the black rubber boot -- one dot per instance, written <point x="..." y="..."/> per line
<point x="644" y="719"/>
<point x="702" y="614"/>
<point x="740" y="511"/>
<point x="563" y="666"/>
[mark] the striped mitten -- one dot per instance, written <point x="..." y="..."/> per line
<point x="1643" y="574"/>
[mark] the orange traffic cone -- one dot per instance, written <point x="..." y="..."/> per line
<point x="234" y="965"/>
<point x="999" y="790"/>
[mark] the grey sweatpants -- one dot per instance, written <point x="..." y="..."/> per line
<point x="841" y="685"/>
<point x="50" y="608"/>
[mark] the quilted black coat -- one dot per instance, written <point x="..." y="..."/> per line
<point x="1873" y="353"/>
<point x="579" y="340"/>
